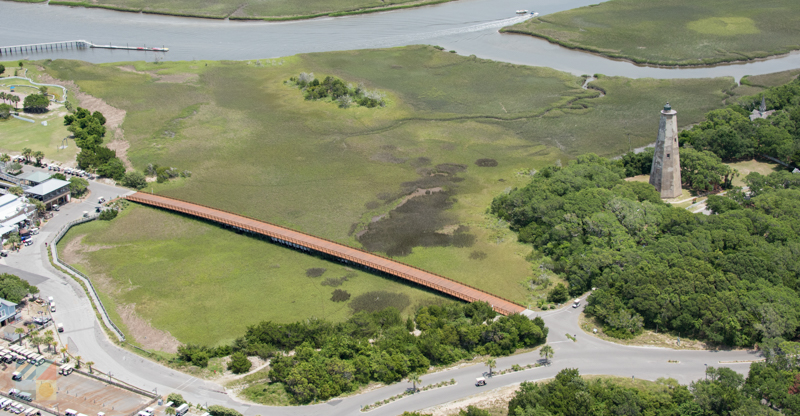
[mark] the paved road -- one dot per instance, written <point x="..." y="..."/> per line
<point x="85" y="337"/>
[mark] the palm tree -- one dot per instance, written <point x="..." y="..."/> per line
<point x="90" y="364"/>
<point x="414" y="379"/>
<point x="78" y="361"/>
<point x="49" y="338"/>
<point x="27" y="153"/>
<point x="14" y="99"/>
<point x="37" y="341"/>
<point x="19" y="331"/>
<point x="2" y="96"/>
<point x="492" y="363"/>
<point x="38" y="155"/>
<point x="63" y="350"/>
<point x="14" y="240"/>
<point x="546" y="352"/>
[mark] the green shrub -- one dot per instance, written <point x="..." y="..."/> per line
<point x="108" y="214"/>
<point x="135" y="180"/>
<point x="176" y="399"/>
<point x="559" y="294"/>
<point x="217" y="410"/>
<point x="239" y="363"/>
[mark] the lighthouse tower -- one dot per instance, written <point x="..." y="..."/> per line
<point x="665" y="174"/>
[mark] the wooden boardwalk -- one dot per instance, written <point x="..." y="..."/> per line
<point x="347" y="254"/>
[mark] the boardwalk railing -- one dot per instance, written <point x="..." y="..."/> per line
<point x="344" y="253"/>
<point x="93" y="293"/>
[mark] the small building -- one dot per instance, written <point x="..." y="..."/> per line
<point x="8" y="312"/>
<point x="51" y="191"/>
<point x="33" y="178"/>
<point x="761" y="111"/>
<point x="14" y="212"/>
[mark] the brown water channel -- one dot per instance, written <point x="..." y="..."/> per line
<point x="467" y="26"/>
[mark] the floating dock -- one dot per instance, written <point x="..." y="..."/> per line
<point x="70" y="44"/>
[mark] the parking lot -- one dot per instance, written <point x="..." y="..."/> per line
<point x="78" y="392"/>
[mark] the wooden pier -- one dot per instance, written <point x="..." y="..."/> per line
<point x="345" y="254"/>
<point x="70" y="44"/>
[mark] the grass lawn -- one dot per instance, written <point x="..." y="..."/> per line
<point x="674" y="32"/>
<point x="17" y="134"/>
<point x="747" y="166"/>
<point x="257" y="148"/>
<point x="252" y="9"/>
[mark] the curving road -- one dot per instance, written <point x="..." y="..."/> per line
<point x="590" y="355"/>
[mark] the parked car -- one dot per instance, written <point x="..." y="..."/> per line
<point x="29" y="242"/>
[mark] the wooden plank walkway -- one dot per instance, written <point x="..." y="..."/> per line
<point x="307" y="242"/>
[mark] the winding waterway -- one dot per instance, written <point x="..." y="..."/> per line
<point x="466" y="26"/>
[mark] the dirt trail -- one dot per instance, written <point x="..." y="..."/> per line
<point x="114" y="116"/>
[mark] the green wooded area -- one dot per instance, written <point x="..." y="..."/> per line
<point x="731" y="135"/>
<point x="723" y="392"/>
<point x="332" y="359"/>
<point x="729" y="278"/>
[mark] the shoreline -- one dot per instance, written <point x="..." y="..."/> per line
<point x="230" y="16"/>
<point x="644" y="63"/>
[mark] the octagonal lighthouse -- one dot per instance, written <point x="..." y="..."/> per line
<point x="665" y="174"/>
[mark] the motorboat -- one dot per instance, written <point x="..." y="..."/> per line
<point x="522" y="11"/>
<point x="534" y="14"/>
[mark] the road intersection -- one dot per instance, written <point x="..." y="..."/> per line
<point x="84" y="336"/>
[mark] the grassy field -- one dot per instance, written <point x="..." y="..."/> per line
<point x="747" y="166"/>
<point x="465" y="128"/>
<point x="674" y="32"/>
<point x="205" y="284"/>
<point x="253" y="9"/>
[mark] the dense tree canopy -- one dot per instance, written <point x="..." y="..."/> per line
<point x="332" y="359"/>
<point x="730" y="278"/>
<point x="36" y="103"/>
<point x="13" y="289"/>
<point x="731" y="135"/>
<point x="723" y="393"/>
<point x="89" y="130"/>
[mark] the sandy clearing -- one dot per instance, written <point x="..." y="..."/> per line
<point x="498" y="397"/>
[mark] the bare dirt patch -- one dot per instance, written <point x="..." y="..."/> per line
<point x="648" y="338"/>
<point x="170" y="78"/>
<point x="177" y="78"/>
<point x="490" y="400"/>
<point x="141" y="330"/>
<point x="144" y="333"/>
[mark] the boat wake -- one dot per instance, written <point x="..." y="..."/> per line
<point x="418" y="37"/>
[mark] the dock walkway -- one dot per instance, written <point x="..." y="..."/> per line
<point x="344" y="253"/>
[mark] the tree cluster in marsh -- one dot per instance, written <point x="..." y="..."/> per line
<point x="332" y="359"/>
<point x="345" y="95"/>
<point x="729" y="278"/>
<point x="89" y="130"/>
